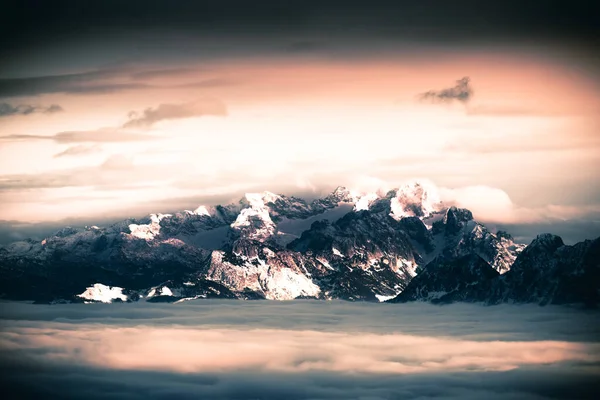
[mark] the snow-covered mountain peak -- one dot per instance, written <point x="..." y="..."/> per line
<point x="255" y="220"/>
<point x="362" y="202"/>
<point x="467" y="236"/>
<point x="148" y="231"/>
<point x="260" y="199"/>
<point x="342" y="194"/>
<point x="414" y="199"/>
<point x="278" y="247"/>
<point x="202" y="210"/>
<point x="270" y="197"/>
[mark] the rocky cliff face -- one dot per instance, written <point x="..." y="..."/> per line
<point x="444" y="279"/>
<point x="347" y="245"/>
<point x="546" y="272"/>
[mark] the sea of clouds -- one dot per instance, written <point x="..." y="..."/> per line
<point x="221" y="349"/>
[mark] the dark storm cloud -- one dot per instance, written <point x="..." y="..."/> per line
<point x="27" y="109"/>
<point x="163" y="112"/>
<point x="461" y="92"/>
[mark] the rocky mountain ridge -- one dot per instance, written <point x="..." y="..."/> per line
<point x="346" y="245"/>
<point x="546" y="272"/>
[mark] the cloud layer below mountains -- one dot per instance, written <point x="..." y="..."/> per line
<point x="299" y="350"/>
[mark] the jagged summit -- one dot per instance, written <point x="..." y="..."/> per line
<point x="347" y="245"/>
<point x="202" y="210"/>
<point x="254" y="220"/>
<point x="414" y="199"/>
<point x="547" y="241"/>
<point x="255" y="199"/>
<point x="456" y="219"/>
<point x="341" y="193"/>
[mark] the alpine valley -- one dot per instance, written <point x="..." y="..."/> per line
<point x="399" y="246"/>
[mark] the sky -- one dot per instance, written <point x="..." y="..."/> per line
<point x="112" y="110"/>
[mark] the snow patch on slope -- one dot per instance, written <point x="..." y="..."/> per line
<point x="363" y="202"/>
<point x="268" y="197"/>
<point x="103" y="293"/>
<point x="148" y="231"/>
<point x="257" y="215"/>
<point x="202" y="210"/>
<point x="285" y="284"/>
<point x="383" y="298"/>
<point x="408" y="266"/>
<point x="275" y="281"/>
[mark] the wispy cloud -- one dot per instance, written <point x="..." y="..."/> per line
<point x="538" y="142"/>
<point x="78" y="150"/>
<point x="144" y="120"/>
<point x="27" y="109"/>
<point x="160" y="73"/>
<point x="117" y="162"/>
<point x="461" y="92"/>
<point x="101" y="81"/>
<point x="162" y="112"/>
<point x="96" y="136"/>
<point x="83" y="82"/>
<point x="494" y="205"/>
<point x="503" y="110"/>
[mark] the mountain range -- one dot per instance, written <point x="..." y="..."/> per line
<point x="399" y="246"/>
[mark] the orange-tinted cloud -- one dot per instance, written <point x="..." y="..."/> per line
<point x="163" y="112"/>
<point x="194" y="349"/>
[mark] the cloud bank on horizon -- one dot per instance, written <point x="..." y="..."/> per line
<point x="297" y="109"/>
